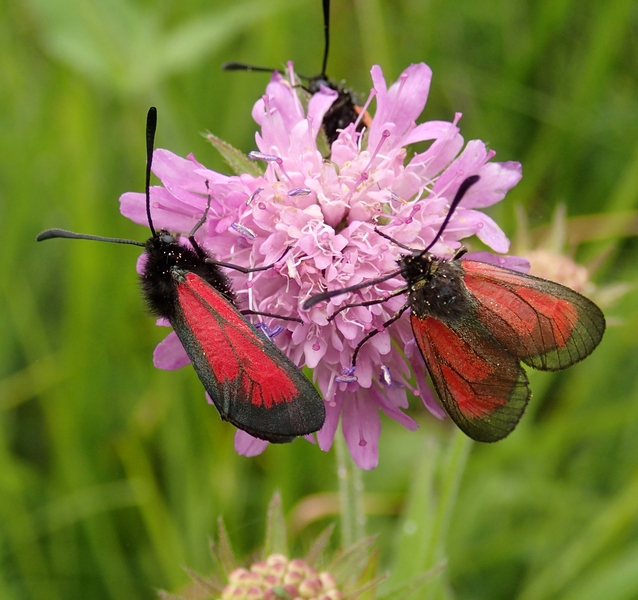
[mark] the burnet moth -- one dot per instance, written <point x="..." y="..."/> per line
<point x="251" y="382"/>
<point x="475" y="322"/>
<point x="343" y="110"/>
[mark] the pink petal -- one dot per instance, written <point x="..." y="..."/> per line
<point x="176" y="172"/>
<point x="247" y="445"/>
<point x="402" y="104"/>
<point x="496" y="180"/>
<point x="515" y="263"/>
<point x="325" y="436"/>
<point x="169" y="354"/>
<point x="318" y="106"/>
<point x="361" y="429"/>
<point x="391" y="409"/>
<point x="490" y="233"/>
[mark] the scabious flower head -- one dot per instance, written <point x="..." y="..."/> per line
<point x="552" y="257"/>
<point x="349" y="572"/>
<point x="278" y="577"/>
<point x="325" y="211"/>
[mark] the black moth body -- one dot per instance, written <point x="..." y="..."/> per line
<point x="252" y="383"/>
<point x="169" y="265"/>
<point x="435" y="287"/>
<point x="341" y="113"/>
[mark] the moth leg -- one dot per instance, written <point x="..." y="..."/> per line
<point x="370" y="302"/>
<point x="246" y="270"/>
<point x="267" y="314"/>
<point x="374" y="332"/>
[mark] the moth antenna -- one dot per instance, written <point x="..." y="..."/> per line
<point x="50" y="234"/>
<point x="332" y="293"/>
<point x="466" y="184"/>
<point x="151" y="127"/>
<point x="326" y="34"/>
<point x="240" y="66"/>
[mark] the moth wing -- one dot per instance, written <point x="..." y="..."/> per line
<point x="546" y="325"/>
<point x="252" y="383"/>
<point x="480" y="384"/>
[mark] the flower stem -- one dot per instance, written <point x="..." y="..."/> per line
<point x="454" y="463"/>
<point x="353" y="517"/>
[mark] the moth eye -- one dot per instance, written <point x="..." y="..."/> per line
<point x="167" y="238"/>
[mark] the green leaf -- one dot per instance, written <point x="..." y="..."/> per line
<point x="234" y="158"/>
<point x="276" y="536"/>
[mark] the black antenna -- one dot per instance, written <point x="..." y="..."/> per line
<point x="240" y="66"/>
<point x="151" y="126"/>
<point x="49" y="234"/>
<point x="326" y="33"/>
<point x="466" y="184"/>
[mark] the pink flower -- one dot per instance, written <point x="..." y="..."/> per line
<point x="325" y="211"/>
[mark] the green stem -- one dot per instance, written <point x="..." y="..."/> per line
<point x="353" y="517"/>
<point x="453" y="469"/>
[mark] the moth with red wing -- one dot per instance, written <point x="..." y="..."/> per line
<point x="252" y="383"/>
<point x="475" y="322"/>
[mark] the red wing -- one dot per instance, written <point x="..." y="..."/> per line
<point x="251" y="382"/>
<point x="546" y="325"/>
<point x="480" y="384"/>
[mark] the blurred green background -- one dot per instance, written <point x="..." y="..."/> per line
<point x="112" y="473"/>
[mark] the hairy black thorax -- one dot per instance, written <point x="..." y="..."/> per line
<point x="168" y="262"/>
<point x="341" y="113"/>
<point x="435" y="286"/>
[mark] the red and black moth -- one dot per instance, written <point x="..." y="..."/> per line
<point x="475" y="322"/>
<point x="251" y="382"/>
<point x="344" y="110"/>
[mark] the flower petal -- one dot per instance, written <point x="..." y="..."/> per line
<point x="361" y="429"/>
<point x="247" y="445"/>
<point x="169" y="354"/>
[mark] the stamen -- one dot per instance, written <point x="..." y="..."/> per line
<point x="347" y="376"/>
<point x="364" y="108"/>
<point x="256" y="155"/>
<point x="280" y="164"/>
<point x="415" y="391"/>
<point x="270" y="332"/>
<point x="329" y="397"/>
<point x="243" y="231"/>
<point x="384" y="136"/>
<point x="256" y="193"/>
<point x="386" y="376"/>
<point x="363" y="177"/>
<point x="397" y="198"/>
<point x="299" y="192"/>
<point x="395" y="103"/>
